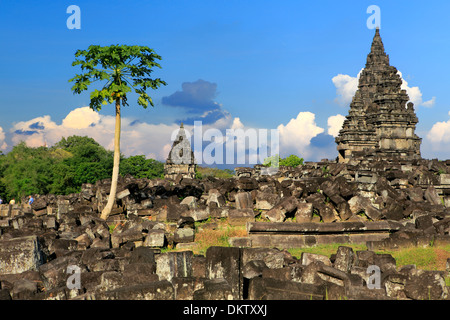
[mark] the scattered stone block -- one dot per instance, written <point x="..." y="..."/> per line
<point x="174" y="264"/>
<point x="273" y="289"/>
<point x="304" y="212"/>
<point x="224" y="263"/>
<point x="426" y="285"/>
<point x="243" y="200"/>
<point x="155" y="238"/>
<point x="184" y="235"/>
<point x="432" y="196"/>
<point x="344" y="259"/>
<point x="157" y="290"/>
<point x="215" y="289"/>
<point x="240" y="216"/>
<point x="20" y="254"/>
<point x="307" y="258"/>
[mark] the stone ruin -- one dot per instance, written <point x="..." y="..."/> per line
<point x="38" y="243"/>
<point x="379" y="192"/>
<point x="180" y="162"/>
<point x="379" y="124"/>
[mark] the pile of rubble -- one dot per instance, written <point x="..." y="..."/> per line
<point x="223" y="273"/>
<point x="40" y="244"/>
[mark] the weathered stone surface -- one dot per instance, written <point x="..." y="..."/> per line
<point x="20" y="254"/>
<point x="265" y="200"/>
<point x="215" y="289"/>
<point x="214" y="196"/>
<point x="24" y="289"/>
<point x="274" y="289"/>
<point x="198" y="214"/>
<point x="254" y="268"/>
<point x="284" y="207"/>
<point x="344" y="259"/>
<point x="190" y="201"/>
<point x="224" y="263"/>
<point x="241" y="216"/>
<point x="185" y="287"/>
<point x="272" y="257"/>
<point x="158" y="290"/>
<point x="432" y="196"/>
<point x="184" y="235"/>
<point x="426" y="285"/>
<point x="54" y="273"/>
<point x="139" y="273"/>
<point x="308" y="258"/>
<point x="304" y="212"/>
<point x="174" y="264"/>
<point x="155" y="238"/>
<point x="130" y="235"/>
<point x="243" y="200"/>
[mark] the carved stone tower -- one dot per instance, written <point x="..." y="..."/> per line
<point x="181" y="159"/>
<point x="379" y="123"/>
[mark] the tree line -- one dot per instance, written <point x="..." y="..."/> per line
<point x="64" y="167"/>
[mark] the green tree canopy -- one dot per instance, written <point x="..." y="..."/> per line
<point x="63" y="168"/>
<point x="140" y="167"/>
<point x="276" y="161"/>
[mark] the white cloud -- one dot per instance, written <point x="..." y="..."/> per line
<point x="429" y="103"/>
<point x="81" y="118"/>
<point x="346" y="87"/>
<point x="3" y="144"/>
<point x="440" y="133"/>
<point x="152" y="140"/>
<point x="296" y="135"/>
<point x="335" y="124"/>
<point x="136" y="138"/>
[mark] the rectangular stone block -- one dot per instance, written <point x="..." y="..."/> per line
<point x="445" y="178"/>
<point x="224" y="262"/>
<point x="174" y="264"/>
<point x="158" y="290"/>
<point x="274" y="289"/>
<point x="154" y="238"/>
<point x="19" y="255"/>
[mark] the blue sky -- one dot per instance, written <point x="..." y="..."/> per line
<point x="265" y="63"/>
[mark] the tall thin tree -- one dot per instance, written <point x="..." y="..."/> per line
<point x="124" y="69"/>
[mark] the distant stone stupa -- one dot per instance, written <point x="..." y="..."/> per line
<point x="379" y="123"/>
<point x="181" y="159"/>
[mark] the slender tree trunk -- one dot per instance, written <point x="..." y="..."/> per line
<point x="115" y="175"/>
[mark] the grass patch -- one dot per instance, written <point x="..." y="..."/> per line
<point x="203" y="172"/>
<point x="428" y="258"/>
<point x="212" y="232"/>
<point x="218" y="236"/>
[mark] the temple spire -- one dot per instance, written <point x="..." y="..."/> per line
<point x="377" y="43"/>
<point x="378" y="123"/>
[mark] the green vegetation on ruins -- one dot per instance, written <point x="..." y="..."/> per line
<point x="276" y="160"/>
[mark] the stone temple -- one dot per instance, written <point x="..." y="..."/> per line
<point x="181" y="160"/>
<point x="380" y="123"/>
